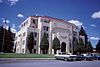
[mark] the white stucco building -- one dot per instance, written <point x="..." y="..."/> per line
<point x="54" y="27"/>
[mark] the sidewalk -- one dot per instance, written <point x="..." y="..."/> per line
<point x="9" y="59"/>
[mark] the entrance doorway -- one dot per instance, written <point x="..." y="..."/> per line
<point x="63" y="47"/>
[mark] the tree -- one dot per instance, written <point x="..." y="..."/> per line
<point x="30" y="42"/>
<point x="98" y="46"/>
<point x="83" y="33"/>
<point x="1" y="37"/>
<point x="80" y="46"/>
<point x="75" y="44"/>
<point x="8" y="37"/>
<point x="44" y="43"/>
<point x="9" y="40"/>
<point x="56" y="44"/>
<point x="86" y="43"/>
<point x="89" y="47"/>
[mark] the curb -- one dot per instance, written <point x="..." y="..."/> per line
<point x="10" y="59"/>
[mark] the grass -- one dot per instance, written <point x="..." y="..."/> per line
<point x="15" y="55"/>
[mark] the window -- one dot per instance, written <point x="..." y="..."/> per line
<point x="17" y="49"/>
<point x="23" y="34"/>
<point x="47" y="35"/>
<point x="35" y="34"/>
<point x="34" y="50"/>
<point x="23" y="42"/>
<point x="18" y="42"/>
<point x="19" y="35"/>
<point x="75" y="33"/>
<point x="45" y="21"/>
<point x="33" y="27"/>
<point x="46" y="28"/>
<point x="70" y="45"/>
<point x="24" y="24"/>
<point x="36" y="25"/>
<point x="15" y="38"/>
<point x="22" y="50"/>
<point x="34" y="21"/>
<point x="35" y="42"/>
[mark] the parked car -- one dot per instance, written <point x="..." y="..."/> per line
<point x="65" y="57"/>
<point x="96" y="56"/>
<point x="80" y="57"/>
<point x="88" y="57"/>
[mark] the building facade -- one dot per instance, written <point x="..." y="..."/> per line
<point x="54" y="27"/>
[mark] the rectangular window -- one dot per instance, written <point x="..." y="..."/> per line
<point x="18" y="42"/>
<point x="22" y="50"/>
<point x="33" y="27"/>
<point x="19" y="35"/>
<point x="34" y="50"/>
<point x="46" y="28"/>
<point x="35" y="42"/>
<point x="35" y="34"/>
<point x="47" y="35"/>
<point x="23" y="34"/>
<point x="45" y="21"/>
<point x="15" y="38"/>
<point x="24" y="24"/>
<point x="23" y="42"/>
<point x="17" y="49"/>
<point x="34" y="21"/>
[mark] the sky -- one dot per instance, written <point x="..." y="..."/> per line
<point x="79" y="12"/>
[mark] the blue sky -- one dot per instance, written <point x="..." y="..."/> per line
<point x="79" y="12"/>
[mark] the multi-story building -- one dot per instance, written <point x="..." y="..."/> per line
<point x="54" y="27"/>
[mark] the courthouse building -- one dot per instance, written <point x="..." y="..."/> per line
<point x="54" y="27"/>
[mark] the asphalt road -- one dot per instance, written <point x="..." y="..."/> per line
<point x="48" y="63"/>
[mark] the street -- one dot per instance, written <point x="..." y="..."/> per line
<point x="48" y="63"/>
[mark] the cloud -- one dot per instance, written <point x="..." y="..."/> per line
<point x="1" y="1"/>
<point x="76" y="22"/>
<point x="13" y="26"/>
<point x="7" y="21"/>
<point x="84" y="27"/>
<point x="93" y="25"/>
<point x="13" y="30"/>
<point x="6" y="27"/>
<point x="20" y="15"/>
<point x="3" y="20"/>
<point x="94" y="38"/>
<point x="13" y="2"/>
<point x="96" y="15"/>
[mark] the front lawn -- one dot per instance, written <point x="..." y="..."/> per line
<point x="15" y="55"/>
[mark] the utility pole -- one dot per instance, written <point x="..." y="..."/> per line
<point x="4" y="34"/>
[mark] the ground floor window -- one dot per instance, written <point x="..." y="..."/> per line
<point x="34" y="50"/>
<point x="17" y="50"/>
<point x="22" y="50"/>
